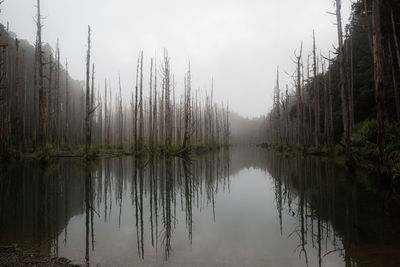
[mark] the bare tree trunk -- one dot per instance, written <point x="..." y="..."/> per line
<point x="278" y="111"/>
<point x="87" y="124"/>
<point x="24" y="106"/>
<point x="91" y="106"/>
<point x="66" y="130"/>
<point x="151" y="135"/>
<point x="396" y="45"/>
<point x="349" y="73"/>
<point x="343" y="91"/>
<point x="395" y="85"/>
<point x="49" y="109"/>
<point x="316" y="96"/>
<point x="141" y="118"/>
<point x="136" y="108"/>
<point x="17" y="114"/>
<point x="155" y="121"/>
<point x="299" y="102"/>
<point x="57" y="104"/>
<point x="120" y="116"/>
<point x="42" y="102"/>
<point x="378" y="75"/>
<point x="326" y="106"/>
<point x="330" y="95"/>
<point x="106" y="142"/>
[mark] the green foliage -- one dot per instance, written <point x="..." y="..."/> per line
<point x="363" y="140"/>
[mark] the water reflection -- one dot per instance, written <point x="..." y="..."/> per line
<point x="349" y="214"/>
<point x="241" y="207"/>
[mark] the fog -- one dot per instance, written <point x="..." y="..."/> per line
<point x="238" y="43"/>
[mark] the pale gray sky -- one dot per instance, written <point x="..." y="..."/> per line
<point x="238" y="42"/>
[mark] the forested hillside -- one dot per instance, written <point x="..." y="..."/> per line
<point x="346" y="101"/>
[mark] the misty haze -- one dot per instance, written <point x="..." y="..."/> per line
<point x="199" y="133"/>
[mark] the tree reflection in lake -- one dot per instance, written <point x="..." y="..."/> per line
<point x="336" y="212"/>
<point x="241" y="207"/>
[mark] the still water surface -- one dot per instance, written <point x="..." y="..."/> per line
<point x="243" y="207"/>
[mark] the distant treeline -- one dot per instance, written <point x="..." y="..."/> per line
<point x="42" y="106"/>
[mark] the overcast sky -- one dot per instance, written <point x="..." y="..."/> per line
<point x="238" y="42"/>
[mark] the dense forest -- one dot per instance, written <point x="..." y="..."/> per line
<point x="345" y="102"/>
<point x="45" y="111"/>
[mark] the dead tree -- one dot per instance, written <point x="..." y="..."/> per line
<point x="326" y="106"/>
<point x="299" y="102"/>
<point x="277" y="109"/>
<point x="378" y="76"/>
<point x="330" y="96"/>
<point x="57" y="96"/>
<point x="395" y="84"/>
<point x="141" y="118"/>
<point x="397" y="50"/>
<point x="342" y="83"/>
<point x="151" y="133"/>
<point x="87" y="123"/>
<point x="16" y="85"/>
<point x="316" y="96"/>
<point x="42" y="101"/>
<point x="66" y="126"/>
<point x="120" y="115"/>
<point x="91" y="106"/>
<point x="135" y="115"/>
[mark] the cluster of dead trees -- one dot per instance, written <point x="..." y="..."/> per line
<point x="296" y="116"/>
<point x="306" y="117"/>
<point x="40" y="104"/>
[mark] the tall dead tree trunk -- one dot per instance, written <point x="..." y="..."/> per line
<point x="91" y="106"/>
<point x="57" y="97"/>
<point x="141" y="118"/>
<point x="342" y="83"/>
<point x="151" y="136"/>
<point x="120" y="116"/>
<point x="24" y="103"/>
<point x="155" y="121"/>
<point x="135" y="132"/>
<point x="378" y="76"/>
<point x="326" y="105"/>
<point x="66" y="129"/>
<point x="42" y="101"/>
<point x="299" y="102"/>
<point x="16" y="84"/>
<point x="397" y="50"/>
<point x="351" y="85"/>
<point x="316" y="96"/>
<point x="278" y="111"/>
<point x="49" y="110"/>
<point x="395" y="84"/>
<point x="87" y="123"/>
<point x="330" y="96"/>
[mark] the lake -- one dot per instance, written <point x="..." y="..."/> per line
<point x="239" y="207"/>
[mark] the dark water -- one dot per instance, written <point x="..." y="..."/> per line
<point x="245" y="207"/>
